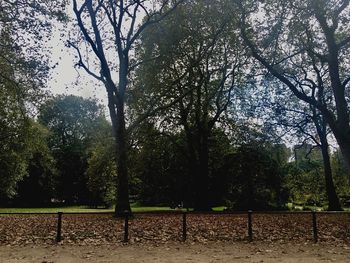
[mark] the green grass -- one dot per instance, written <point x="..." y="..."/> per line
<point x="150" y="208"/>
<point x="71" y="209"/>
<point x="219" y="208"/>
<point x="80" y="209"/>
<point x="135" y="207"/>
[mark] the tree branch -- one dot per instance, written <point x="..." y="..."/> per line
<point x="82" y="64"/>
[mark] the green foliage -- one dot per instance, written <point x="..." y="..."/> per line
<point x="257" y="179"/>
<point x="30" y="23"/>
<point x="193" y="82"/>
<point x="305" y="177"/>
<point x="13" y="167"/>
<point x="159" y="165"/>
<point x="71" y="119"/>
<point x="305" y="182"/>
<point x="341" y="178"/>
<point x="73" y="123"/>
<point x="220" y="173"/>
<point x="38" y="186"/>
<point x="193" y="64"/>
<point x="23" y="73"/>
<point x="101" y="171"/>
<point x="14" y="120"/>
<point x="194" y="56"/>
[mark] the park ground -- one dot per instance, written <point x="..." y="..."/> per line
<point x="158" y="238"/>
<point x="179" y="252"/>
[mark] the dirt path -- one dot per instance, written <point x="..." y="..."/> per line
<point x="177" y="252"/>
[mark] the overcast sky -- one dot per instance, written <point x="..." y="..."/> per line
<point x="65" y="79"/>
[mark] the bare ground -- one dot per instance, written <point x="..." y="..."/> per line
<point x="178" y="252"/>
<point x="157" y="238"/>
<point x="159" y="229"/>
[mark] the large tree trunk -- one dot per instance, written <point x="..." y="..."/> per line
<point x="343" y="139"/>
<point x="119" y="133"/>
<point x="122" y="204"/>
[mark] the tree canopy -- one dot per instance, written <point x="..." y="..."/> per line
<point x="236" y="103"/>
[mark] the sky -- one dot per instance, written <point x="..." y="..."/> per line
<point x="65" y="78"/>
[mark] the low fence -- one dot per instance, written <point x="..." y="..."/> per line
<point x="178" y="223"/>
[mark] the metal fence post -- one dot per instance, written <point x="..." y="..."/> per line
<point x="314" y="226"/>
<point x="59" y="227"/>
<point x="250" y="226"/>
<point x="126" y="227"/>
<point x="184" y="226"/>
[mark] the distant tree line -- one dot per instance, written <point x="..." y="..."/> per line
<point x="69" y="160"/>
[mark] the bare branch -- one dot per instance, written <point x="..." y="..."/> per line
<point x="346" y="81"/>
<point x="81" y="63"/>
<point x="341" y="8"/>
<point x="344" y="42"/>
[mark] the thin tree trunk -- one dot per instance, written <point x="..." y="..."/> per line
<point x="333" y="200"/>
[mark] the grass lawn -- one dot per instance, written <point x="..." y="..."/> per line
<point x="134" y="207"/>
<point x="63" y="209"/>
<point x="81" y="209"/>
<point x="219" y="208"/>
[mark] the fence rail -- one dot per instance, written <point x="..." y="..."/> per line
<point x="250" y="219"/>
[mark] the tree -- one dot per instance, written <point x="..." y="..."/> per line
<point x="257" y="180"/>
<point x="341" y="179"/>
<point x="37" y="187"/>
<point x="304" y="176"/>
<point x="24" y="26"/>
<point x="14" y="120"/>
<point x="101" y="169"/>
<point x="159" y="165"/>
<point x="191" y="57"/>
<point x="161" y="171"/>
<point x="29" y="23"/>
<point x="220" y="165"/>
<point x="110" y="29"/>
<point x="305" y="45"/>
<point x="73" y="123"/>
<point x="303" y="123"/>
